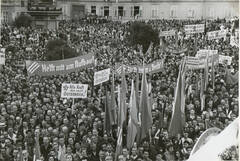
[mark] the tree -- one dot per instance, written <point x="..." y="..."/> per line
<point x="58" y="49"/>
<point x="23" y="20"/>
<point x="142" y="34"/>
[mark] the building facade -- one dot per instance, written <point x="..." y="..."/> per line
<point x="150" y="9"/>
<point x="10" y="9"/>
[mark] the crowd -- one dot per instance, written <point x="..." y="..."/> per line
<point x="32" y="111"/>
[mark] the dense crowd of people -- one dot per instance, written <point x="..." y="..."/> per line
<point x="33" y="112"/>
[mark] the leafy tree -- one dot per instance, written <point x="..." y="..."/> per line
<point x="58" y="49"/>
<point x="23" y="20"/>
<point x="142" y="34"/>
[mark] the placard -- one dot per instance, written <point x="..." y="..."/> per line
<point x="216" y="34"/>
<point x="167" y="33"/>
<point x="74" y="90"/>
<point x="193" y="29"/>
<point x="101" y="76"/>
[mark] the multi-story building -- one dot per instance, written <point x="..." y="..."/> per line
<point x="12" y="8"/>
<point x="45" y="13"/>
<point x="150" y="9"/>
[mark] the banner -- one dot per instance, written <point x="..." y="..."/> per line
<point x="101" y="76"/>
<point x="212" y="56"/>
<point x="48" y="68"/>
<point x="216" y="34"/>
<point x="74" y="90"/>
<point x="204" y="138"/>
<point x="167" y="33"/>
<point x="193" y="29"/>
<point x="203" y="53"/>
<point x="154" y="67"/>
<point x="225" y="59"/>
<point x="193" y="63"/>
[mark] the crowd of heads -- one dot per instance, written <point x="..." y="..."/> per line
<point x="32" y="109"/>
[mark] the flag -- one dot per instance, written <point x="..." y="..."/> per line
<point x="37" y="152"/>
<point x="122" y="112"/>
<point x="150" y="94"/>
<point x="63" y="156"/>
<point x="213" y="74"/>
<point x="119" y="144"/>
<point x="107" y="118"/>
<point x="113" y="104"/>
<point x="177" y="122"/>
<point x="133" y="118"/>
<point x="206" y="74"/>
<point x="230" y="78"/>
<point x="145" y="110"/>
<point x="149" y="51"/>
<point x="137" y="89"/>
<point x="202" y="95"/>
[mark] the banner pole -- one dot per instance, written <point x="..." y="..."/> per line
<point x="73" y="103"/>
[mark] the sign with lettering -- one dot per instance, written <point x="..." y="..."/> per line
<point x="47" y="68"/>
<point x="216" y="34"/>
<point x="154" y="67"/>
<point x="167" y="33"/>
<point x="74" y="90"/>
<point x="212" y="56"/>
<point x="101" y="76"/>
<point x="193" y="29"/>
<point x="193" y="63"/>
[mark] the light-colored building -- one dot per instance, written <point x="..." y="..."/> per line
<point x="10" y="9"/>
<point x="150" y="9"/>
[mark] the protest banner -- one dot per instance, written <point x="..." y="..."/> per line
<point x="167" y="33"/>
<point x="193" y="29"/>
<point x="212" y="56"/>
<point x="2" y="56"/>
<point x="225" y="59"/>
<point x="74" y="90"/>
<point x="203" y="53"/>
<point x="193" y="63"/>
<point x="101" y="76"/>
<point x="216" y="34"/>
<point x="48" y="68"/>
<point x="154" y="67"/>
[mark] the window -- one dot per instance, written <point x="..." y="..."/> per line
<point x="22" y="4"/>
<point x="136" y="11"/>
<point x="93" y="10"/>
<point x="173" y="12"/>
<point x="154" y="11"/>
<point x="211" y="13"/>
<point x="106" y="11"/>
<point x="191" y="13"/>
<point x="120" y="11"/>
<point x="5" y="16"/>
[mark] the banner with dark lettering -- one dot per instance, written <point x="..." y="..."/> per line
<point x="47" y="68"/>
<point x="74" y="90"/>
<point x="153" y="67"/>
<point x="193" y="29"/>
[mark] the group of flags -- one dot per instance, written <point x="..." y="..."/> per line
<point x="140" y="115"/>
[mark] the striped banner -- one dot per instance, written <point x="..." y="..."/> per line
<point x="48" y="68"/>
